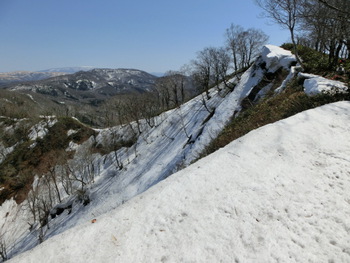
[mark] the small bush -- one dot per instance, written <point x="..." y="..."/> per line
<point x="313" y="61"/>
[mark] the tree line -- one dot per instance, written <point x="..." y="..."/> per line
<point x="323" y="25"/>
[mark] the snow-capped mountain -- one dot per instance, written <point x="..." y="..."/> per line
<point x="90" y="86"/>
<point x="275" y="194"/>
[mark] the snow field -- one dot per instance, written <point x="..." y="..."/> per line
<point x="278" y="194"/>
<point x="177" y="139"/>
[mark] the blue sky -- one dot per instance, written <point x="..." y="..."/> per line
<point x="153" y="35"/>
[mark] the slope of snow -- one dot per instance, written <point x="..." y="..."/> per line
<point x="278" y="194"/>
<point x="176" y="139"/>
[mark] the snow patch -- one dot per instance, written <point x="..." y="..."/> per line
<point x="275" y="57"/>
<point x="314" y="84"/>
<point x="70" y="132"/>
<point x="72" y="146"/>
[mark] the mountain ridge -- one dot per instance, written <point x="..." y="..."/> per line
<point x="112" y="166"/>
<point x="91" y="86"/>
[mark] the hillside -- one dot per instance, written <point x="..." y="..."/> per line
<point x="79" y="173"/>
<point x="278" y="194"/>
<point x="89" y="87"/>
<point x="22" y="76"/>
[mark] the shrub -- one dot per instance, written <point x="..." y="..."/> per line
<point x="313" y="61"/>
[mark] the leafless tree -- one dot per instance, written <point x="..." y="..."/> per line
<point x="334" y="5"/>
<point x="254" y="41"/>
<point x="286" y="14"/>
<point x="202" y="70"/>
<point x="3" y="249"/>
<point x="53" y="180"/>
<point x="44" y="206"/>
<point x="64" y="178"/>
<point x="112" y="143"/>
<point x="163" y="92"/>
<point x="327" y="27"/>
<point x="220" y="65"/>
<point x="171" y="89"/>
<point x="40" y="201"/>
<point x="233" y="35"/>
<point x="244" y="45"/>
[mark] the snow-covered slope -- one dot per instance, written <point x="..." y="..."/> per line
<point x="278" y="194"/>
<point x="172" y="141"/>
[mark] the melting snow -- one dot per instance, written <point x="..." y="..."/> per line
<point x="248" y="202"/>
<point x="278" y="194"/>
<point x="276" y="57"/>
<point x="314" y="84"/>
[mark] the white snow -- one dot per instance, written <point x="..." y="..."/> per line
<point x="314" y="84"/>
<point x="190" y="220"/>
<point x="4" y="151"/>
<point x="275" y="57"/>
<point x="31" y="97"/>
<point x="278" y="194"/>
<point x="72" y="146"/>
<point x="70" y="132"/>
<point x="40" y="130"/>
<point x="291" y="75"/>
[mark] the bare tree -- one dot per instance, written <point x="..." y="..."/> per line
<point x="112" y="143"/>
<point x="327" y="26"/>
<point x="233" y="35"/>
<point x="220" y="65"/>
<point x="163" y="92"/>
<point x="171" y="89"/>
<point x="40" y="201"/>
<point x="44" y="206"/>
<point x="334" y="5"/>
<point x="52" y="174"/>
<point x="202" y="66"/>
<point x="244" y="45"/>
<point x="286" y="14"/>
<point x="3" y="249"/>
<point x="254" y="41"/>
<point x="64" y="178"/>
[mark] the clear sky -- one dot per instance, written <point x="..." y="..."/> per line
<point x="151" y="35"/>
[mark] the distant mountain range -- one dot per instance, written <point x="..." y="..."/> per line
<point x="21" y="76"/>
<point x="89" y="87"/>
<point x="68" y="70"/>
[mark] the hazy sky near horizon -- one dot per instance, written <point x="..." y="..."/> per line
<point x="153" y="35"/>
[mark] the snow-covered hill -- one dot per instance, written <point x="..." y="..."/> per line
<point x="278" y="194"/>
<point x="229" y="185"/>
<point x="90" y="86"/>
